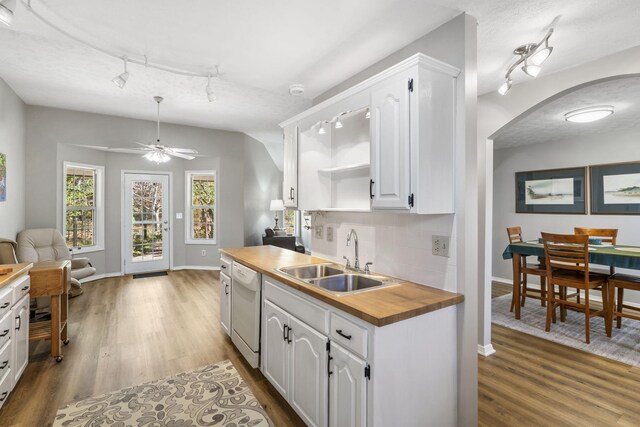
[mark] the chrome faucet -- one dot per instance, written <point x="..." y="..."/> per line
<point x="352" y="233"/>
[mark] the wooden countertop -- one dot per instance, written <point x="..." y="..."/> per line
<point x="16" y="270"/>
<point x="379" y="307"/>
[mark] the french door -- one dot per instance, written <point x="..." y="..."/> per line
<point x="146" y="222"/>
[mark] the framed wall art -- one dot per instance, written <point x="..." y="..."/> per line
<point x="553" y="191"/>
<point x="3" y="177"/>
<point x="615" y="189"/>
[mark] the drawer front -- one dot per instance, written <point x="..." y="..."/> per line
<point x="6" y="300"/>
<point x="5" y="328"/>
<point x="225" y="265"/>
<point x="5" y="359"/>
<point x="349" y="335"/>
<point x="309" y="313"/>
<point x="20" y="288"/>
<point x="5" y="386"/>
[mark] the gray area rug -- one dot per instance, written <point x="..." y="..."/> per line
<point x="623" y="346"/>
<point x="214" y="395"/>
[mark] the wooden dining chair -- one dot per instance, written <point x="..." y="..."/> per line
<point x="567" y="262"/>
<point x="606" y="235"/>
<point x="515" y="236"/>
<point x="619" y="282"/>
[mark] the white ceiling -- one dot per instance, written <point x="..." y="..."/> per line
<point x="262" y="47"/>
<point x="547" y="123"/>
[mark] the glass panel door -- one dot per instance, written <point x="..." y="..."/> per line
<point x="146" y="223"/>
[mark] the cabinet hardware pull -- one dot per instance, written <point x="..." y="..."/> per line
<point x="19" y="323"/>
<point x="4" y="334"/>
<point x="288" y="334"/>
<point x="24" y="288"/>
<point x="284" y="332"/>
<point x="226" y="289"/>
<point x="224" y="266"/>
<point x="339" y="331"/>
<point x="4" y="365"/>
<point x="5" y="305"/>
<point x="291" y="194"/>
<point x="4" y="396"/>
<point x="371" y="182"/>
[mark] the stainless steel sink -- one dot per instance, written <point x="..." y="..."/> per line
<point x="313" y="271"/>
<point x="349" y="283"/>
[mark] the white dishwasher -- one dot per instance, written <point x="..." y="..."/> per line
<point x="245" y="312"/>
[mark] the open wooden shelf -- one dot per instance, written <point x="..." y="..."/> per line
<point x="347" y="168"/>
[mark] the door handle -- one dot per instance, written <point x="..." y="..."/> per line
<point x="5" y="305"/>
<point x="19" y="323"/>
<point x="339" y="331"/>
<point x="226" y="289"/>
<point x="4" y="334"/>
<point x="4" y="396"/>
<point x="371" y="182"/>
<point x="4" y="364"/>
<point x="289" y="334"/>
<point x="284" y="332"/>
<point x="24" y="288"/>
<point x="291" y="194"/>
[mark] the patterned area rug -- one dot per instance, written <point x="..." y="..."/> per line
<point x="214" y="395"/>
<point x="623" y="346"/>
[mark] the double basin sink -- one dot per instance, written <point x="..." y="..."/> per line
<point x="335" y="279"/>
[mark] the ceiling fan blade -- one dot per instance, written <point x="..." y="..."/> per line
<point x="151" y="147"/>
<point x="113" y="149"/>
<point x="180" y="155"/>
<point x="182" y="150"/>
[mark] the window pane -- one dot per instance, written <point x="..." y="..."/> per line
<point x="79" y="225"/>
<point x="202" y="223"/>
<point x="290" y="221"/>
<point x="203" y="190"/>
<point x="80" y="194"/>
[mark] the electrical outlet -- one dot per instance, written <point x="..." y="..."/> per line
<point x="178" y="215"/>
<point x="319" y="232"/>
<point x="204" y="252"/>
<point x="329" y="234"/>
<point x="440" y="245"/>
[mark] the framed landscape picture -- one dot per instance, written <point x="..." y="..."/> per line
<point x="3" y="177"/>
<point x="615" y="189"/>
<point x="554" y="191"/>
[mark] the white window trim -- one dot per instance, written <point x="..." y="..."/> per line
<point x="99" y="201"/>
<point x="187" y="204"/>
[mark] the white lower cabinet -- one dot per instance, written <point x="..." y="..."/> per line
<point x="225" y="303"/>
<point x="294" y="360"/>
<point x="347" y="389"/>
<point x="20" y="337"/>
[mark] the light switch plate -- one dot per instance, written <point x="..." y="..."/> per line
<point x="178" y="215"/>
<point x="319" y="232"/>
<point x="329" y="234"/>
<point x="440" y="245"/>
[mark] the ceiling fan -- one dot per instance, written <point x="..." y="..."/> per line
<point x="157" y="152"/>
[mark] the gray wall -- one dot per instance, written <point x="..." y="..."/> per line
<point x="51" y="133"/>
<point x="262" y="183"/>
<point x="595" y="149"/>
<point x="12" y="143"/>
<point x="455" y="43"/>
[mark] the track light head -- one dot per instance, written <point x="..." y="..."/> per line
<point x="531" y="69"/>
<point x="7" y="8"/>
<point x="506" y="87"/>
<point x="322" y="131"/>
<point x="541" y="55"/>
<point x="121" y="79"/>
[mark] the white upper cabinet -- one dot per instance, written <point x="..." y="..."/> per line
<point x="290" y="178"/>
<point x="384" y="144"/>
<point x="390" y="143"/>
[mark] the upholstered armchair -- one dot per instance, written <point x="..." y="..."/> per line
<point x="47" y="244"/>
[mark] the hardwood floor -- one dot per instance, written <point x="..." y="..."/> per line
<point x="532" y="381"/>
<point x="125" y="332"/>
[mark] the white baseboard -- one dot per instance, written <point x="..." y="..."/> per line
<point x="486" y="350"/>
<point x="195" y="267"/>
<point x="100" y="276"/>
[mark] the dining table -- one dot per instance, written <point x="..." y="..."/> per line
<point x="622" y="256"/>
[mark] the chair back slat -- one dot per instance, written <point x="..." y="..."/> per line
<point x="567" y="251"/>
<point x="607" y="235"/>
<point x="514" y="234"/>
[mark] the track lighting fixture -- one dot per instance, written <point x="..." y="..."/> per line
<point x="210" y="94"/>
<point x="531" y="56"/>
<point x="121" y="79"/>
<point x="6" y="11"/>
<point x="321" y="131"/>
<point x="338" y="124"/>
<point x="368" y="115"/>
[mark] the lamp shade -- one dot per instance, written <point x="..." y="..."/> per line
<point x="276" y="205"/>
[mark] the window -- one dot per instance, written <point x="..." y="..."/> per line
<point x="201" y="207"/>
<point x="291" y="222"/>
<point x="82" y="225"/>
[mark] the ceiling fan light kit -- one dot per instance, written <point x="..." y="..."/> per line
<point x="531" y="56"/>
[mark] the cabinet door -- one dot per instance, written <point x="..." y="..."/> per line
<point x="225" y="303"/>
<point x="20" y="337"/>
<point x="275" y="357"/>
<point x="309" y="380"/>
<point x="290" y="176"/>
<point x="347" y="389"/>
<point x="390" y="143"/>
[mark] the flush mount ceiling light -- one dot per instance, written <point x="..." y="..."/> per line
<point x="531" y="56"/>
<point x="7" y="8"/>
<point x="6" y="11"/>
<point x="589" y="114"/>
<point x="121" y="79"/>
<point x="296" y="90"/>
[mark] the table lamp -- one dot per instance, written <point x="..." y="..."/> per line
<point x="276" y="206"/>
